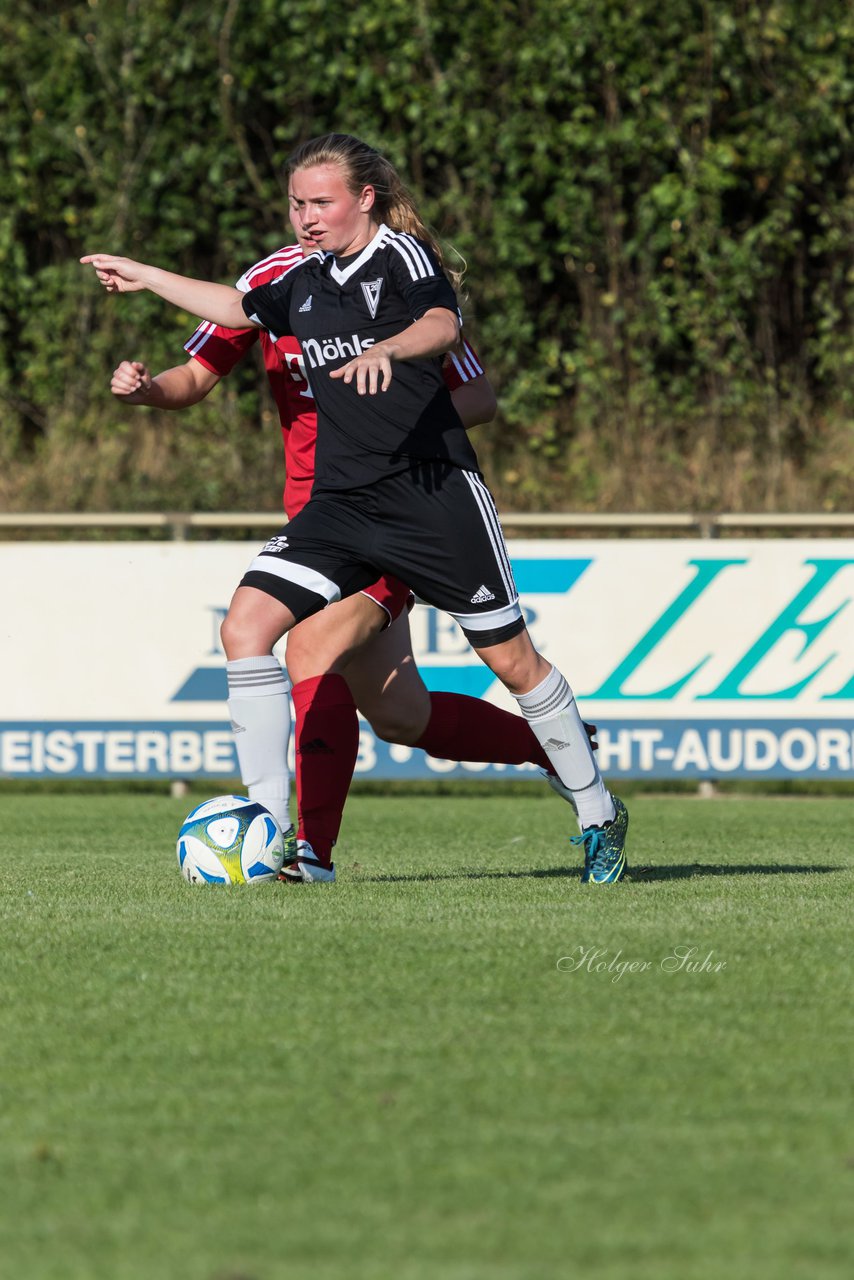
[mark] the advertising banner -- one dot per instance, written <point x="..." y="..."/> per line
<point x="696" y="658"/>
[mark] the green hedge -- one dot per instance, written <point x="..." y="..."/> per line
<point x="655" y="202"/>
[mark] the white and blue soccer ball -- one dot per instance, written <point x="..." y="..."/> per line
<point x="230" y="840"/>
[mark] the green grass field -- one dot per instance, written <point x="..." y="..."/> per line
<point x="426" y="1072"/>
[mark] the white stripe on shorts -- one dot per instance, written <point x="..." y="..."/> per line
<point x="490" y="621"/>
<point x="483" y="498"/>
<point x="301" y="574"/>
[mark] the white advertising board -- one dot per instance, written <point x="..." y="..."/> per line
<point x="696" y="658"/>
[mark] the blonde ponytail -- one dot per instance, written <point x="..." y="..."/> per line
<point x="362" y="166"/>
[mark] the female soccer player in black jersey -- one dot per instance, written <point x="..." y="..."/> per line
<point x="398" y="489"/>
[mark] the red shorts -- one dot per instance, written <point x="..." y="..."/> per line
<point x="392" y="595"/>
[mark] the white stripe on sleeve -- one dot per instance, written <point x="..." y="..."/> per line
<point x="416" y="268"/>
<point x="419" y="252"/>
<point x="472" y="363"/>
<point x="199" y="338"/>
<point x="279" y="263"/>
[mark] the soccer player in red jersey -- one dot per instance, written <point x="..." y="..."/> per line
<point x="404" y="468"/>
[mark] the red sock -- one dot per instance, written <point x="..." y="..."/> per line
<point x="327" y="744"/>
<point x="463" y="728"/>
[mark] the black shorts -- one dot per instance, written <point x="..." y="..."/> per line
<point x="436" y="528"/>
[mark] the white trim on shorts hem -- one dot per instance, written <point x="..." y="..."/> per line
<point x="300" y="574"/>
<point x="489" y="621"/>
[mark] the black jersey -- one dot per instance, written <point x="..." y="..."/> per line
<point x="337" y="310"/>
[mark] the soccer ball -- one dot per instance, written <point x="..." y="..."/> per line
<point x="230" y="840"/>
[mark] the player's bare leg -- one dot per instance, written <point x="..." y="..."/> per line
<point x="327" y="640"/>
<point x="387" y="686"/>
<point x="254" y="623"/>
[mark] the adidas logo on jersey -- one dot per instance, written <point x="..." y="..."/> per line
<point x="320" y="353"/>
<point x="554" y="744"/>
<point x="306" y="306"/>
<point x="482" y="596"/>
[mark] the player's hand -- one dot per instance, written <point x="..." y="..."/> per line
<point x="591" y="730"/>
<point x="131" y="382"/>
<point x="371" y="372"/>
<point x="117" y="275"/>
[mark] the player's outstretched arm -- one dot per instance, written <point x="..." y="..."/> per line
<point x="217" y="302"/>
<point x="432" y="334"/>
<point x="177" y="388"/>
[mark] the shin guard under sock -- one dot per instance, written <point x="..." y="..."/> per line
<point x="553" y="716"/>
<point x="260" y="712"/>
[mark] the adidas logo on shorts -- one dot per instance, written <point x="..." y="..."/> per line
<point x="306" y="306"/>
<point x="482" y="596"/>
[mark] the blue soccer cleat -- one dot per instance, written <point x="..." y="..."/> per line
<point x="605" y="848"/>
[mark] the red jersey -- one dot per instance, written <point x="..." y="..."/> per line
<point x="219" y="349"/>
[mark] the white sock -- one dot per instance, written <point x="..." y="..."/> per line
<point x="553" y="716"/>
<point x="260" y="712"/>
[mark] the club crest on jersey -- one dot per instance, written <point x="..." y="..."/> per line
<point x="371" y="290"/>
<point x="319" y="353"/>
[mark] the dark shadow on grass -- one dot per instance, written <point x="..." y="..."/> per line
<point x="639" y="874"/>
<point x="542" y="873"/>
<point x="689" y="871"/>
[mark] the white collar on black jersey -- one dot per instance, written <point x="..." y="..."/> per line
<point x="341" y="276"/>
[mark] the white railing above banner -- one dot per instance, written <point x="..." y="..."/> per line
<point x="180" y="524"/>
